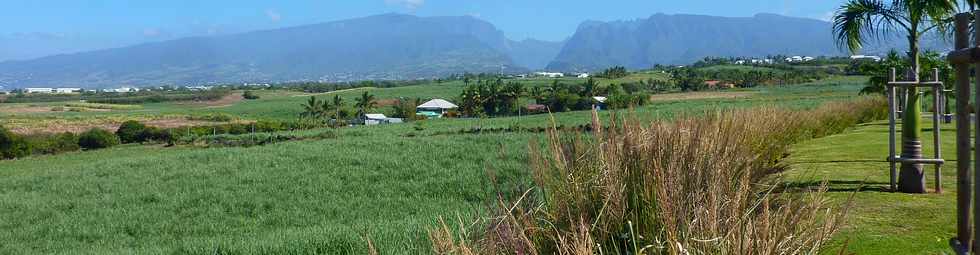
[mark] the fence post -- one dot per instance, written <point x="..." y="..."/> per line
<point x="936" y="130"/>
<point x="891" y="131"/>
<point x="963" y="189"/>
<point x="976" y="177"/>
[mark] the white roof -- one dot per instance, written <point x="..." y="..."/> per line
<point x="375" y="116"/>
<point x="600" y="99"/>
<point x="438" y="104"/>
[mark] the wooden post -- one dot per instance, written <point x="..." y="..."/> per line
<point x="891" y="132"/>
<point x="936" y="130"/>
<point x="976" y="177"/>
<point x="963" y="136"/>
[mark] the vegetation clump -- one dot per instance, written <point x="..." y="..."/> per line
<point x="131" y="132"/>
<point x="97" y="138"/>
<point x="697" y="185"/>
<point x="250" y="95"/>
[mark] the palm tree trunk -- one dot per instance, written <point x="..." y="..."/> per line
<point x="912" y="179"/>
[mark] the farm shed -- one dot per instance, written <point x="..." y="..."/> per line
<point x="377" y="118"/>
<point x="435" y="108"/>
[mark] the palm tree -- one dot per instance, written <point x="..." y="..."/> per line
<point x="858" y="21"/>
<point x="312" y="109"/>
<point x="337" y="105"/>
<point x="365" y="103"/>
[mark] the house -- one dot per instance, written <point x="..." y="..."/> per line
<point x="67" y="90"/>
<point x="599" y="102"/>
<point x="377" y="119"/>
<point x="550" y="75"/>
<point x="583" y="75"/>
<point x="712" y="83"/>
<point x="121" y="90"/>
<point x="808" y="59"/>
<point x="741" y="62"/>
<point x="536" y="108"/>
<point x="716" y="84"/>
<point x="865" y="57"/>
<point x="435" y="108"/>
<point x="38" y="90"/>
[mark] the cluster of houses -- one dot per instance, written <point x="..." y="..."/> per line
<point x="433" y="109"/>
<point x="799" y="59"/>
<point x="52" y="90"/>
<point x="554" y="75"/>
<point x="767" y="61"/>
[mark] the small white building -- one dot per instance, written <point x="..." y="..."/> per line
<point x="435" y="108"/>
<point x="67" y="90"/>
<point x="808" y="59"/>
<point x="38" y="90"/>
<point x="377" y="119"/>
<point x="863" y="57"/>
<point x="583" y="75"/>
<point x="550" y="75"/>
<point x="199" y="88"/>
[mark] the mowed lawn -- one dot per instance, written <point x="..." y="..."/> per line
<point x="386" y="185"/>
<point x="880" y="222"/>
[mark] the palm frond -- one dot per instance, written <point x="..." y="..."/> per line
<point x="858" y="21"/>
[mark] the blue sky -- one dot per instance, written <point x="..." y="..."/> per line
<point x="30" y="28"/>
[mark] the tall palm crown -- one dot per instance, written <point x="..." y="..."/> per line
<point x="365" y="103"/>
<point x="858" y="21"/>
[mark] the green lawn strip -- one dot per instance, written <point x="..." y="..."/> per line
<point x="880" y="222"/>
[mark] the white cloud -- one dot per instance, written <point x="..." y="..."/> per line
<point x="273" y="15"/>
<point x="409" y="4"/>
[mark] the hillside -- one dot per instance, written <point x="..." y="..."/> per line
<point x="379" y="47"/>
<point x="682" y="39"/>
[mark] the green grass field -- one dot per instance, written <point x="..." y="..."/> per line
<point x="387" y="184"/>
<point x="880" y="222"/>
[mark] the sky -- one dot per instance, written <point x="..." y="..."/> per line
<point x="31" y="29"/>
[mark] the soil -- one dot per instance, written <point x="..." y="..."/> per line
<point x="699" y="95"/>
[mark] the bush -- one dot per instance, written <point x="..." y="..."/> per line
<point x="250" y="95"/>
<point x="52" y="143"/>
<point x="131" y="132"/>
<point x="97" y="138"/>
<point x="12" y="145"/>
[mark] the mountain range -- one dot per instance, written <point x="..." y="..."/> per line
<point x="398" y="46"/>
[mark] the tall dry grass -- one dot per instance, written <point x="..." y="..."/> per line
<point x="695" y="185"/>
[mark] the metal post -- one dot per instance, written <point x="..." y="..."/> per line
<point x="962" y="137"/>
<point x="891" y="131"/>
<point x="936" y="130"/>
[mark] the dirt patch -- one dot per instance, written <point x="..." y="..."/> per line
<point x="107" y="124"/>
<point x="700" y="95"/>
<point x="387" y="102"/>
<point x="332" y="92"/>
<point x="229" y="100"/>
<point x="25" y="109"/>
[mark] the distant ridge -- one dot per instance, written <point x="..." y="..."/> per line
<point x="382" y="47"/>
<point x="683" y="39"/>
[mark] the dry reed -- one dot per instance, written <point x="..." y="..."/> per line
<point x="695" y="185"/>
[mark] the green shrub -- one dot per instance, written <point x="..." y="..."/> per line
<point x="250" y="95"/>
<point x="215" y="117"/>
<point x="131" y="131"/>
<point x="12" y="145"/>
<point x="97" y="138"/>
<point x="52" y="143"/>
